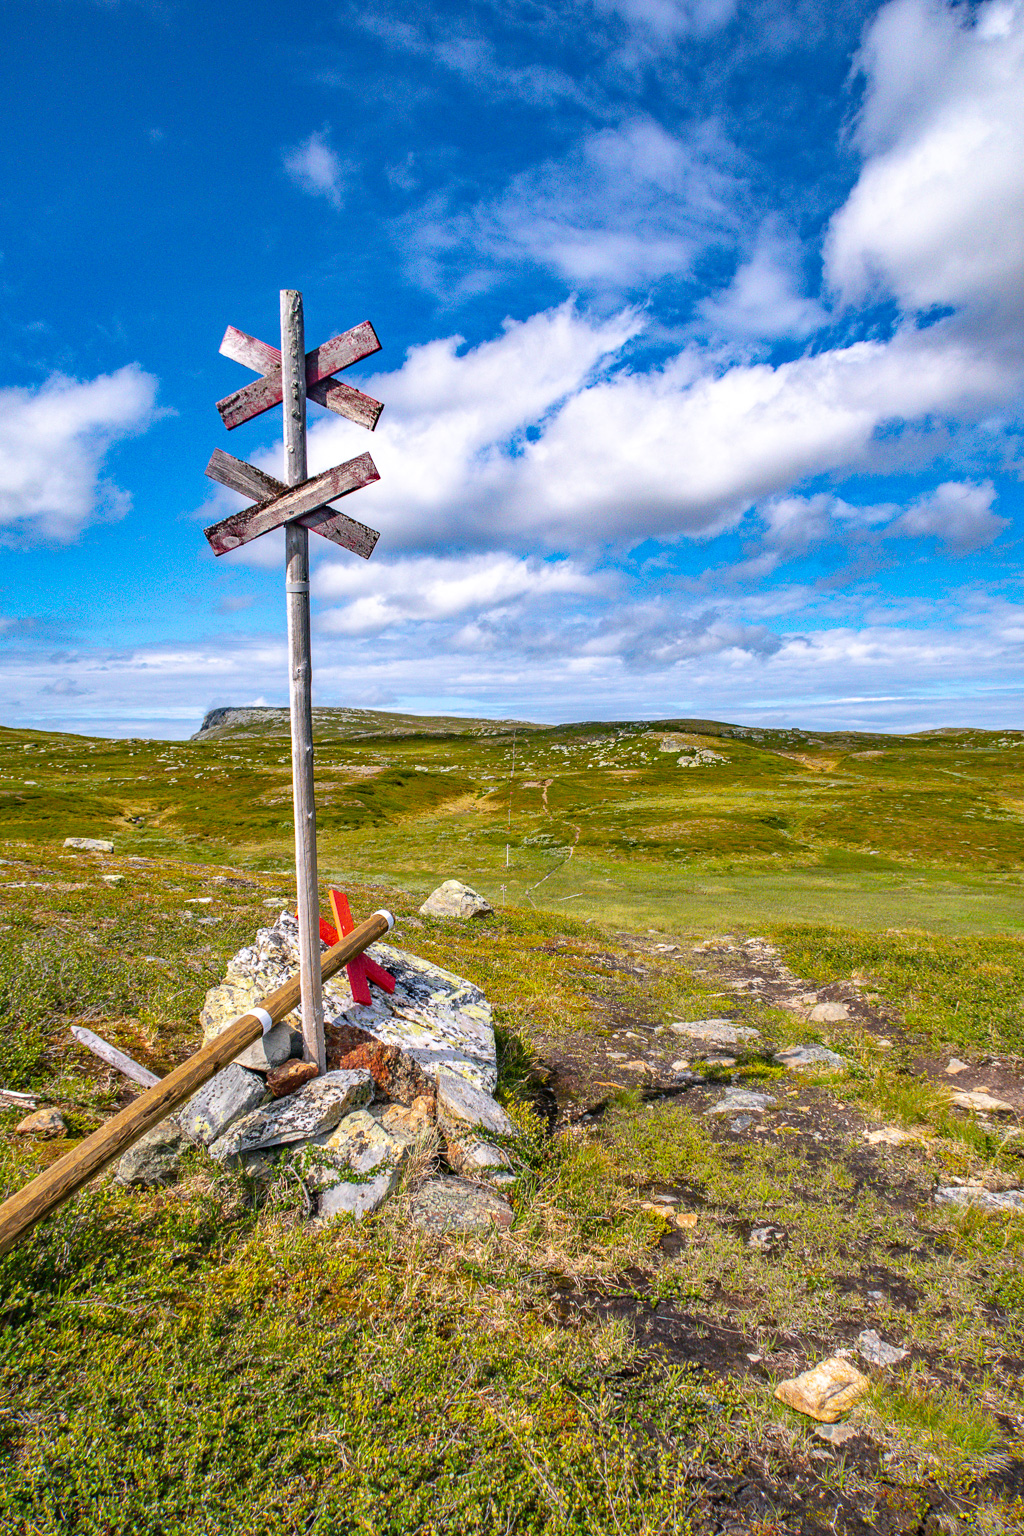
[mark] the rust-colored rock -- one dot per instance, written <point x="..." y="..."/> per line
<point x="287" y="1078"/>
<point x="340" y="1039"/>
<point x="396" y="1074"/>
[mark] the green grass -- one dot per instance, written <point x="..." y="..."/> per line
<point x="197" y="1360"/>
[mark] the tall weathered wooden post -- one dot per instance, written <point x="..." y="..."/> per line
<point x="299" y="504"/>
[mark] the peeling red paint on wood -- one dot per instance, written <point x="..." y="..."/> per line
<point x="329" y="522"/>
<point x="263" y="393"/>
<point x="295" y="502"/>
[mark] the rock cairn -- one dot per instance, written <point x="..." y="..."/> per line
<point x="409" y="1079"/>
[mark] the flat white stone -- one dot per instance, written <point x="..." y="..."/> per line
<point x="974" y="1194"/>
<point x="876" y="1351"/>
<point x="810" y="1058"/>
<point x="89" y="844"/>
<point x="356" y="1198"/>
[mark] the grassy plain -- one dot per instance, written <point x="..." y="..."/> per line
<point x="197" y="1359"/>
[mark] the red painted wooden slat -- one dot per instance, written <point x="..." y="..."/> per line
<point x="261" y="394"/>
<point x="328" y="521"/>
<point x="310" y="496"/>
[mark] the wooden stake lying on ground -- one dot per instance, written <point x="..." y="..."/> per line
<point x="113" y="1057"/>
<point x="58" y="1183"/>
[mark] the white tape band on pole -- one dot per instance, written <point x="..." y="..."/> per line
<point x="383" y="912"/>
<point x="264" y="1018"/>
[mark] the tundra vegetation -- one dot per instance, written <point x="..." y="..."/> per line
<point x="197" y="1358"/>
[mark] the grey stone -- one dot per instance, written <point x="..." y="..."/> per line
<point x="275" y="1048"/>
<point x="453" y="899"/>
<point x="456" y="1205"/>
<point x="838" y="1434"/>
<point x="982" y="1103"/>
<point x="476" y="1158"/>
<point x="742" y="1122"/>
<point x="315" y="1108"/>
<point x="738" y="1099"/>
<point x="715" y="1031"/>
<point x="233" y="1093"/>
<point x="154" y="1158"/>
<point x="462" y="1107"/>
<point x="876" y="1351"/>
<point x="362" y="1143"/>
<point x="89" y="844"/>
<point x="974" y="1194"/>
<point x="810" y="1058"/>
<point x="351" y="1197"/>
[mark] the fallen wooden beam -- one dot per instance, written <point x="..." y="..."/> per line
<point x="113" y="1057"/>
<point x="62" y="1179"/>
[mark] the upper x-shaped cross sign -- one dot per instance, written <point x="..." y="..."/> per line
<point x="307" y="503"/>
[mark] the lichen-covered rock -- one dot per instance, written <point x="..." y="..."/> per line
<point x="435" y="1017"/>
<point x="478" y="1158"/>
<point x="453" y="899"/>
<point x="155" y="1157"/>
<point x="716" y="1032"/>
<point x="414" y="1122"/>
<point x="456" y="1205"/>
<point x="357" y="1197"/>
<point x="462" y="1107"/>
<point x="314" y="1109"/>
<point x="354" y="1168"/>
<point x="737" y="1100"/>
<point x="360" y="1142"/>
<point x="234" y="1092"/>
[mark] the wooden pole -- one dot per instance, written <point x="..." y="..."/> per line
<point x="296" y="537"/>
<point x="60" y="1181"/>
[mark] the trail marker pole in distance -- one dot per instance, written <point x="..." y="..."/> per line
<point x="299" y="504"/>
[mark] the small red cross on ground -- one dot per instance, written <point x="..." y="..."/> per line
<point x="362" y="970"/>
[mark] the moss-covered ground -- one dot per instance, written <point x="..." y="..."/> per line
<point x="199" y="1359"/>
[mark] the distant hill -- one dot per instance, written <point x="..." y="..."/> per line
<point x="340" y="723"/>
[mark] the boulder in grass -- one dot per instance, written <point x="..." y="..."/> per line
<point x="825" y="1392"/>
<point x="89" y="844"/>
<point x="354" y="1168"/>
<point x="456" y="1205"/>
<point x="453" y="899"/>
<point x="44" y="1122"/>
<point x="314" y="1109"/>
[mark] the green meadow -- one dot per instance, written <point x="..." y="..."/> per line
<point x="196" y="1359"/>
<point x="861" y="830"/>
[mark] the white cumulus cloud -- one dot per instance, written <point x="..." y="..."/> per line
<point x="52" y="445"/>
<point x="937" y="215"/>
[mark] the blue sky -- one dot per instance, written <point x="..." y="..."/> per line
<point x="703" y="355"/>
